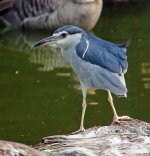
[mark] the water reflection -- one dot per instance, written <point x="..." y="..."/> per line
<point x="145" y="68"/>
<point x="49" y="57"/>
<point x="145" y="71"/>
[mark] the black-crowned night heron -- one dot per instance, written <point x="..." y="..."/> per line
<point x="98" y="63"/>
<point x="50" y="14"/>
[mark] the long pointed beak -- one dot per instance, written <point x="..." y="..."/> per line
<point x="48" y="40"/>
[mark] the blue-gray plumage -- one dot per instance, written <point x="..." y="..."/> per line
<point x="111" y="60"/>
<point x="106" y="54"/>
<point x="98" y="63"/>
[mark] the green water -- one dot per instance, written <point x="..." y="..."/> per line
<point x="40" y="95"/>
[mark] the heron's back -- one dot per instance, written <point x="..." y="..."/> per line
<point x="103" y="53"/>
<point x="94" y="76"/>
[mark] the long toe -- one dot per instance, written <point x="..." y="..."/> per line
<point x="124" y="118"/>
<point x="78" y="131"/>
<point x="117" y="120"/>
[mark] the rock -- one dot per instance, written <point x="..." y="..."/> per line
<point x="130" y="138"/>
<point x="8" y="148"/>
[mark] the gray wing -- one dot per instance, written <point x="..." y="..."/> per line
<point x="103" y="53"/>
<point x="98" y="77"/>
<point x="104" y="79"/>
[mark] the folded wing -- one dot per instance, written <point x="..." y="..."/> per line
<point x="103" y="53"/>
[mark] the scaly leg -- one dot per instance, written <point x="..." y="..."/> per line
<point x="84" y="105"/>
<point x="83" y="114"/>
<point x="116" y="118"/>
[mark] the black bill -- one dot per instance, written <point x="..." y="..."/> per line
<point x="50" y="39"/>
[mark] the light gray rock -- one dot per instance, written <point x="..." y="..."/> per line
<point x="130" y="138"/>
<point x="8" y="148"/>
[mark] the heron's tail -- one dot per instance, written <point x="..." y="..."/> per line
<point x="122" y="79"/>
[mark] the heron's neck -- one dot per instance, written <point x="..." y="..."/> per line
<point x="71" y="57"/>
<point x="69" y="53"/>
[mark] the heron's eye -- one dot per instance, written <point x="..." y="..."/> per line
<point x="64" y="35"/>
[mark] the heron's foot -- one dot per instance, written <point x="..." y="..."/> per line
<point x="117" y="119"/>
<point x="78" y="131"/>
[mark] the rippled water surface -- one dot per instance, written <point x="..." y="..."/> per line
<point x="40" y="95"/>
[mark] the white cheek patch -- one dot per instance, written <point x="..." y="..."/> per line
<point x="69" y="40"/>
<point x="75" y="38"/>
<point x="61" y="42"/>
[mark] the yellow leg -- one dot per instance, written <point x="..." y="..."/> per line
<point x="110" y="99"/>
<point x="116" y="118"/>
<point x="83" y="114"/>
<point x="84" y="105"/>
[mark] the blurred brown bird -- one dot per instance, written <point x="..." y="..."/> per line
<point x="50" y="14"/>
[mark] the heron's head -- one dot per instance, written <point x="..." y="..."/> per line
<point x="63" y="37"/>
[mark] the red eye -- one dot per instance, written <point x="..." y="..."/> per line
<point x="64" y="35"/>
